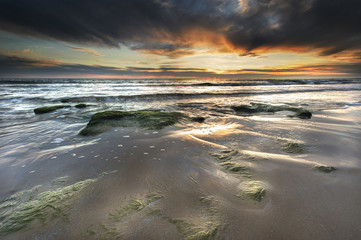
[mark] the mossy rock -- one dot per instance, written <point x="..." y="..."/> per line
<point x="303" y="114"/>
<point x="81" y="105"/>
<point x="43" y="110"/>
<point x="198" y="119"/>
<point x="65" y="100"/>
<point x="324" y="168"/>
<point x="103" y="121"/>
<point x="259" y="107"/>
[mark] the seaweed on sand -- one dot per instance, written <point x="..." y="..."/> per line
<point x="252" y="189"/>
<point x="293" y="147"/>
<point x="110" y="230"/>
<point x="196" y="227"/>
<point x="134" y="205"/>
<point x="103" y="121"/>
<point x="225" y="155"/>
<point x="324" y="168"/>
<point x="52" y="202"/>
<point x="43" y="110"/>
<point x="235" y="167"/>
<point x="224" y="159"/>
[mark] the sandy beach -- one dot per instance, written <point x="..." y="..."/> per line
<point x="231" y="177"/>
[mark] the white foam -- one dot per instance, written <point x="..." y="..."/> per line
<point x="57" y="140"/>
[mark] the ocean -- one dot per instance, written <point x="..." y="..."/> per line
<point x="21" y="131"/>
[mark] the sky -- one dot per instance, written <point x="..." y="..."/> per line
<point x="208" y="39"/>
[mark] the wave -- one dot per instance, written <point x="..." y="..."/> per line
<point x="164" y="96"/>
<point x="182" y="83"/>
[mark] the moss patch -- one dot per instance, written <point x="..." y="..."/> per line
<point x="43" y="110"/>
<point x="134" y="205"/>
<point x="252" y="189"/>
<point x="224" y="155"/>
<point x="324" y="168"/>
<point x="233" y="167"/>
<point x="103" y="121"/>
<point x="293" y="147"/>
<point x="224" y="159"/>
<point x="192" y="228"/>
<point x="39" y="207"/>
<point x="192" y="232"/>
<point x="60" y="181"/>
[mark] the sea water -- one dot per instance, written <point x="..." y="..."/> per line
<point x="23" y="133"/>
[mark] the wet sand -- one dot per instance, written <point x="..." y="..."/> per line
<point x="173" y="184"/>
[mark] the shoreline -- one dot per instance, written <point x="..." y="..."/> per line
<point x="166" y="184"/>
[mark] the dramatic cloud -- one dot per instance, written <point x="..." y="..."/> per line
<point x="88" y="51"/>
<point x="175" y="27"/>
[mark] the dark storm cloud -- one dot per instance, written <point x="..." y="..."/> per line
<point x="163" y="26"/>
<point x="102" y="22"/>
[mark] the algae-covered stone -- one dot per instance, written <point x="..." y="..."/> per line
<point x="303" y="114"/>
<point x="253" y="189"/>
<point x="259" y="107"/>
<point x="49" y="109"/>
<point x="103" y="121"/>
<point x="198" y="119"/>
<point x="324" y="168"/>
<point x="81" y="105"/>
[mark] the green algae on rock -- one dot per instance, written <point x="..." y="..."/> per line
<point x="324" y="168"/>
<point x="260" y="107"/>
<point x="81" y="105"/>
<point x="253" y="189"/>
<point x="198" y="119"/>
<point x="303" y="114"/>
<point x="43" y="110"/>
<point x="103" y="121"/>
